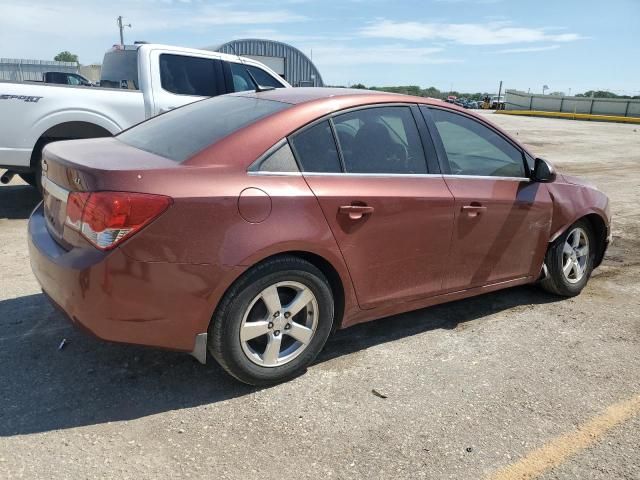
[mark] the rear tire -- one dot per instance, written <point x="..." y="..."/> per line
<point x="570" y="260"/>
<point x="30" y="178"/>
<point x="272" y="323"/>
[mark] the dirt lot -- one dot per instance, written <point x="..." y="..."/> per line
<point x="510" y="385"/>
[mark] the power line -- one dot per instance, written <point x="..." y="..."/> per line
<point x="121" y="28"/>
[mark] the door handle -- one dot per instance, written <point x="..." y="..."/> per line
<point x="356" y="212"/>
<point x="473" y="210"/>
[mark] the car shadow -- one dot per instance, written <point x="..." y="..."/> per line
<point x="50" y="385"/>
<point x="18" y="201"/>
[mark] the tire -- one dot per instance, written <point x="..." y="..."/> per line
<point x="559" y="256"/>
<point x="30" y="178"/>
<point x="256" y="304"/>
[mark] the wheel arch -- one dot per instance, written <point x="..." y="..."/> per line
<point x="334" y="278"/>
<point x="72" y="130"/>
<point x="600" y="230"/>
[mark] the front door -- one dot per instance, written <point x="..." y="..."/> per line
<point x="392" y="220"/>
<point x="502" y="219"/>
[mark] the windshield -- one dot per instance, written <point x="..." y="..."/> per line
<point x="120" y="69"/>
<point x="183" y="132"/>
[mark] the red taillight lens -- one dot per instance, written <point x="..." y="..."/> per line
<point x="107" y="218"/>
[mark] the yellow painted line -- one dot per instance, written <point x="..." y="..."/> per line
<point x="572" y="116"/>
<point x="560" y="448"/>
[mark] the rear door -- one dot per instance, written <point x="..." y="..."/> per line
<point x="179" y="79"/>
<point x="502" y="219"/>
<point x="391" y="216"/>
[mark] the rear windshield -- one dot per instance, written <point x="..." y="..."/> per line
<point x="120" y="69"/>
<point x="183" y="132"/>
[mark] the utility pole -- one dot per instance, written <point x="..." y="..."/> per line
<point x="121" y="28"/>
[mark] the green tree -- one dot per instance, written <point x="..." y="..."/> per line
<point x="66" y="57"/>
<point x="359" y="86"/>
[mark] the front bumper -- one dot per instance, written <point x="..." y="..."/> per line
<point x="120" y="299"/>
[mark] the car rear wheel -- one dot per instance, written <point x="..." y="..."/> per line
<point x="570" y="260"/>
<point x="273" y="322"/>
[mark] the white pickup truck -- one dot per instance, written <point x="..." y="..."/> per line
<point x="137" y="82"/>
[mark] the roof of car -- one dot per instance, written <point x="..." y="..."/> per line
<point x="309" y="94"/>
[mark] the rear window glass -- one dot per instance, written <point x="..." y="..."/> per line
<point x="120" y="70"/>
<point x="183" y="132"/>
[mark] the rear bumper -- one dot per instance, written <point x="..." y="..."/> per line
<point x="120" y="299"/>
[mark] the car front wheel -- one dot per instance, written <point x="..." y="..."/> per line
<point x="570" y="260"/>
<point x="273" y="322"/>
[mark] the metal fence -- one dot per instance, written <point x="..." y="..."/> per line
<point x="516" y="100"/>
<point x="20" y="70"/>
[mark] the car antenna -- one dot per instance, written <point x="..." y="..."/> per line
<point x="257" y="86"/>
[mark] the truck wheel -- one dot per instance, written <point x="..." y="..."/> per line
<point x="30" y="178"/>
<point x="272" y="323"/>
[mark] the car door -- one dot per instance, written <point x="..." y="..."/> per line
<point x="182" y="79"/>
<point x="391" y="218"/>
<point x="502" y="218"/>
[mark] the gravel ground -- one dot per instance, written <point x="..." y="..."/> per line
<point x="471" y="386"/>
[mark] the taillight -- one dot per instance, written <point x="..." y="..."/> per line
<point x="107" y="218"/>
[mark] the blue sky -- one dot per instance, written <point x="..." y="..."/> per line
<point x="467" y="45"/>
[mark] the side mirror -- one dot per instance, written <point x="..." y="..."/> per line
<point x="543" y="171"/>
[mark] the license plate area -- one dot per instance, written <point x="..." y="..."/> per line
<point x="55" y="206"/>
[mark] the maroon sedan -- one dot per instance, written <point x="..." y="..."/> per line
<point x="251" y="225"/>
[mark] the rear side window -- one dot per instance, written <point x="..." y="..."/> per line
<point x="183" y="132"/>
<point x="279" y="161"/>
<point x="242" y="82"/>
<point x="474" y="149"/>
<point x="196" y="76"/>
<point x="120" y="70"/>
<point x="380" y="140"/>
<point x="316" y="150"/>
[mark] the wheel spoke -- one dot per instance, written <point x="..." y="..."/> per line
<point x="251" y="330"/>
<point x="272" y="352"/>
<point x="299" y="332"/>
<point x="567" y="267"/>
<point x="578" y="270"/>
<point x="271" y="299"/>
<point x="576" y="238"/>
<point x="299" y="302"/>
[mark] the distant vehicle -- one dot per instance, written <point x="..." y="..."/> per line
<point x="497" y="102"/>
<point x="250" y="226"/>
<point x="137" y="82"/>
<point x="451" y="98"/>
<point x="473" y="104"/>
<point x="65" y="78"/>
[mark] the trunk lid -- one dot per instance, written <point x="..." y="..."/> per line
<point x="88" y="166"/>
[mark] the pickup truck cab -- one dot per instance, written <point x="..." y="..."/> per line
<point x="137" y="82"/>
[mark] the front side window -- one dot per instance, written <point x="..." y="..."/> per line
<point x="473" y="149"/>
<point x="242" y="82"/>
<point x="316" y="150"/>
<point x="380" y="140"/>
<point x="183" y="132"/>
<point x="195" y="76"/>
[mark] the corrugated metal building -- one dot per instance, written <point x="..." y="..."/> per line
<point x="289" y="62"/>
<point x="19" y="70"/>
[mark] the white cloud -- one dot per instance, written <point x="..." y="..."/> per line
<point x="337" y="55"/>
<point x="528" y="49"/>
<point x="493" y="33"/>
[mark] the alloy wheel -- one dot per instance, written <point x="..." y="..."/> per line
<point x="575" y="255"/>
<point x="279" y="324"/>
